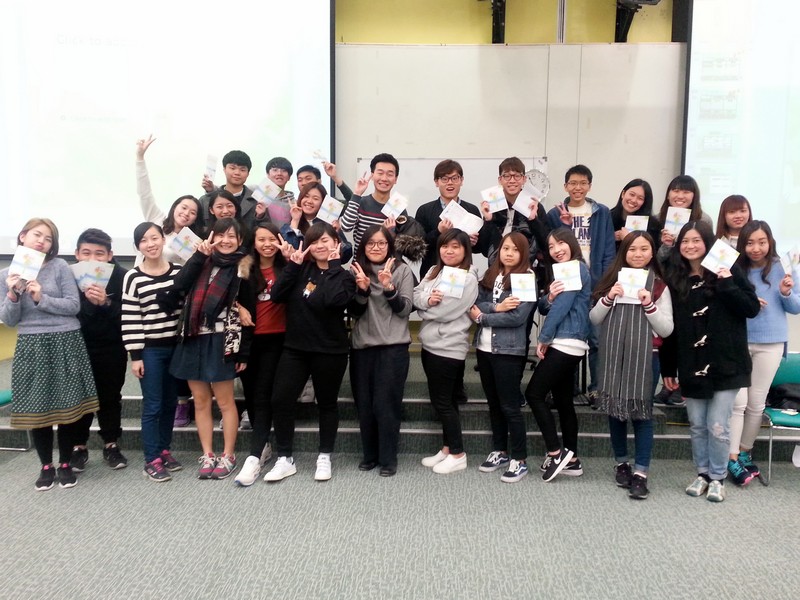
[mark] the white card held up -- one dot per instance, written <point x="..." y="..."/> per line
<point x="319" y="155"/>
<point x="211" y="166"/>
<point x="269" y="190"/>
<point x="452" y="282"/>
<point x="525" y="204"/>
<point x="92" y="272"/>
<point x="185" y="243"/>
<point x="461" y="219"/>
<point x="721" y="256"/>
<point x="495" y="197"/>
<point x="26" y="263"/>
<point x="395" y="205"/>
<point x="569" y="273"/>
<point x="632" y="280"/>
<point x="637" y="222"/>
<point x="523" y="286"/>
<point x="676" y="219"/>
<point x="786" y="263"/>
<point x="330" y="210"/>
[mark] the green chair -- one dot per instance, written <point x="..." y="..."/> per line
<point x="5" y="400"/>
<point x="788" y="372"/>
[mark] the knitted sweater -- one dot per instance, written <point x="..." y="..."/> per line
<point x="55" y="313"/>
<point x="770" y="325"/>
<point x="381" y="319"/>
<point x="360" y="213"/>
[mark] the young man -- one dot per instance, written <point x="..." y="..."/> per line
<point x="101" y="328"/>
<point x="310" y="174"/>
<point x="591" y="222"/>
<point x="361" y="212"/>
<point x="237" y="167"/>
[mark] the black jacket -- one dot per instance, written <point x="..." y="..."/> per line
<point x="101" y="325"/>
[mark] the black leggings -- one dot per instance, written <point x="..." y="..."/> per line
<point x="43" y="442"/>
<point x="257" y="383"/>
<point x="443" y="378"/>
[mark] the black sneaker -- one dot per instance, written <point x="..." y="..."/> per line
<point x="638" y="489"/>
<point x="66" y="477"/>
<point x="171" y="464"/>
<point x="573" y="469"/>
<point x="114" y="458"/>
<point x="667" y="398"/>
<point x="556" y="464"/>
<point x="155" y="471"/>
<point x="80" y="457"/>
<point x="623" y="474"/>
<point x="47" y="477"/>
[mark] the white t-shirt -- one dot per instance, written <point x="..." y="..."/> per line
<point x="580" y="227"/>
<point x="485" y="339"/>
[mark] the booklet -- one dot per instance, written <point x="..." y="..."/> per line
<point x="461" y="219"/>
<point x="637" y="222"/>
<point x="92" y="272"/>
<point x="676" y="219"/>
<point x="185" y="243"/>
<point x="266" y="190"/>
<point x="523" y="286"/>
<point x="26" y="263"/>
<point x="395" y="205"/>
<point x="721" y="256"/>
<point x="569" y="273"/>
<point x="495" y="197"/>
<point x="330" y="210"/>
<point x="211" y="166"/>
<point x="632" y="280"/>
<point x="319" y="155"/>
<point x="791" y="260"/>
<point x="524" y="204"/>
<point x="452" y="282"/>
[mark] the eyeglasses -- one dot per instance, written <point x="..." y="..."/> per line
<point x="380" y="245"/>
<point x="512" y="176"/>
<point x="451" y="179"/>
<point x="575" y="184"/>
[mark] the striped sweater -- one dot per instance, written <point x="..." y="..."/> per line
<point x="143" y="322"/>
<point x="360" y="213"/>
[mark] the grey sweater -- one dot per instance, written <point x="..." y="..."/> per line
<point x="445" y="327"/>
<point x="58" y="310"/>
<point x="381" y="319"/>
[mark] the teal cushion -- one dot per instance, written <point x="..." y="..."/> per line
<point x="5" y="397"/>
<point x="783" y="418"/>
<point x="789" y="371"/>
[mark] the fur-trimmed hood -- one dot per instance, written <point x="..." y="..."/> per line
<point x="245" y="266"/>
<point x="411" y="246"/>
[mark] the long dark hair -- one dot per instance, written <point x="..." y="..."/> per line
<point x="677" y="269"/>
<point x="444" y="239"/>
<point x="496" y="268"/>
<point x="314" y="185"/>
<point x="645" y="209"/>
<point x="611" y="275"/>
<point x="169" y="221"/>
<point x="565" y="234"/>
<point x="278" y="264"/>
<point x="687" y="183"/>
<point x="731" y="203"/>
<point x="361" y="253"/>
<point x="741" y="246"/>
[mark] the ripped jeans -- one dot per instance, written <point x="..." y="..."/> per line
<point x="709" y="424"/>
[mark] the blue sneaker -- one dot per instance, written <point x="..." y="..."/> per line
<point x="516" y="471"/>
<point x="746" y="460"/>
<point x="493" y="462"/>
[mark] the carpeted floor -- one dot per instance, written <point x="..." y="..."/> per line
<point x="417" y="535"/>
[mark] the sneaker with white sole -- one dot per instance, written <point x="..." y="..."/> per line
<point x="496" y="460"/>
<point x="283" y="468"/>
<point x="716" y="491"/>
<point x="207" y="464"/>
<point x="516" y="471"/>
<point x="451" y="464"/>
<point x="573" y="469"/>
<point x="224" y="467"/>
<point x="557" y="463"/>
<point x="698" y="487"/>
<point x="323" y="472"/>
<point x="430" y="461"/>
<point x="249" y="472"/>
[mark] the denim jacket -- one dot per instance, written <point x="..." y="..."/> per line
<point x="568" y="315"/>
<point x="509" y="329"/>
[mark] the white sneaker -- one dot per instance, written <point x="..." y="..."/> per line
<point x="323" y="468"/>
<point x="250" y="471"/>
<point x="266" y="454"/>
<point x="244" y="422"/>
<point x="284" y="467"/>
<point x="430" y="461"/>
<point x="451" y="464"/>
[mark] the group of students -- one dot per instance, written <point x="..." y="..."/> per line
<point x="271" y="305"/>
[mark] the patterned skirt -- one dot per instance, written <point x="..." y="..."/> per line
<point x="51" y="380"/>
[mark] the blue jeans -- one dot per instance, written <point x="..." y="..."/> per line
<point x="159" y="398"/>
<point x="643" y="441"/>
<point x="709" y="424"/>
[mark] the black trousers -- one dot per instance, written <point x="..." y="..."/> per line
<point x="443" y="379"/>
<point x="108" y="367"/>
<point x="43" y="442"/>
<point x="500" y="377"/>
<point x="258" y="380"/>
<point x="327" y="372"/>
<point x="378" y="376"/>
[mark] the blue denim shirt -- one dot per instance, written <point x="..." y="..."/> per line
<point x="509" y="329"/>
<point x="568" y="315"/>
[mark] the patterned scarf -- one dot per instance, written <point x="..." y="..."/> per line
<point x="210" y="296"/>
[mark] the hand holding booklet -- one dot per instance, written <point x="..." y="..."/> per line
<point x="395" y="205"/>
<point x="92" y="272"/>
<point x="721" y="256"/>
<point x="569" y="273"/>
<point x="637" y="222"/>
<point x="461" y="219"/>
<point x="632" y="280"/>
<point x="330" y="210"/>
<point x="676" y="219"/>
<point x="452" y="282"/>
<point x="185" y="243"/>
<point x="495" y="197"/>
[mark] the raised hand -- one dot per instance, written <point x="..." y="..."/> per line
<point x="787" y="283"/>
<point x="207" y="246"/>
<point x="207" y="184"/>
<point x="535" y="210"/>
<point x="330" y="171"/>
<point x="485" y="212"/>
<point x="295" y="214"/>
<point x="335" y="253"/>
<point x="563" y="214"/>
<point x="444" y="225"/>
<point x="142" y="145"/>
<point x="390" y="224"/>
<point x="362" y="281"/>
<point x="616" y="291"/>
<point x="299" y="255"/>
<point x="362" y="183"/>
<point x="260" y="210"/>
<point x="723" y="273"/>
<point x="285" y="247"/>
<point x="385" y="275"/>
<point x="667" y="238"/>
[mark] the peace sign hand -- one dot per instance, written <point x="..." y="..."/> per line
<point x="385" y="275"/>
<point x="299" y="255"/>
<point x="142" y="146"/>
<point x="284" y="247"/>
<point x="362" y="281"/>
<point x="335" y="253"/>
<point x="563" y="214"/>
<point x="207" y="246"/>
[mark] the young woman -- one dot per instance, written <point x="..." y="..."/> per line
<point x="316" y="291"/>
<point x="629" y="330"/>
<point x="708" y="350"/>
<point x="223" y="205"/>
<point x="444" y="334"/>
<point x="214" y="346"/>
<point x="561" y="347"/>
<point x="734" y="213"/>
<point x="636" y="199"/>
<point x="501" y="343"/>
<point x="265" y="352"/>
<point x="379" y="357"/>
<point x="149" y="333"/>
<point x="51" y="377"/>
<point x="767" y="335"/>
<point x="682" y="192"/>
<point x="304" y="215"/>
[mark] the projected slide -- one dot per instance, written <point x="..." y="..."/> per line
<point x="81" y="82"/>
<point x="743" y="132"/>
